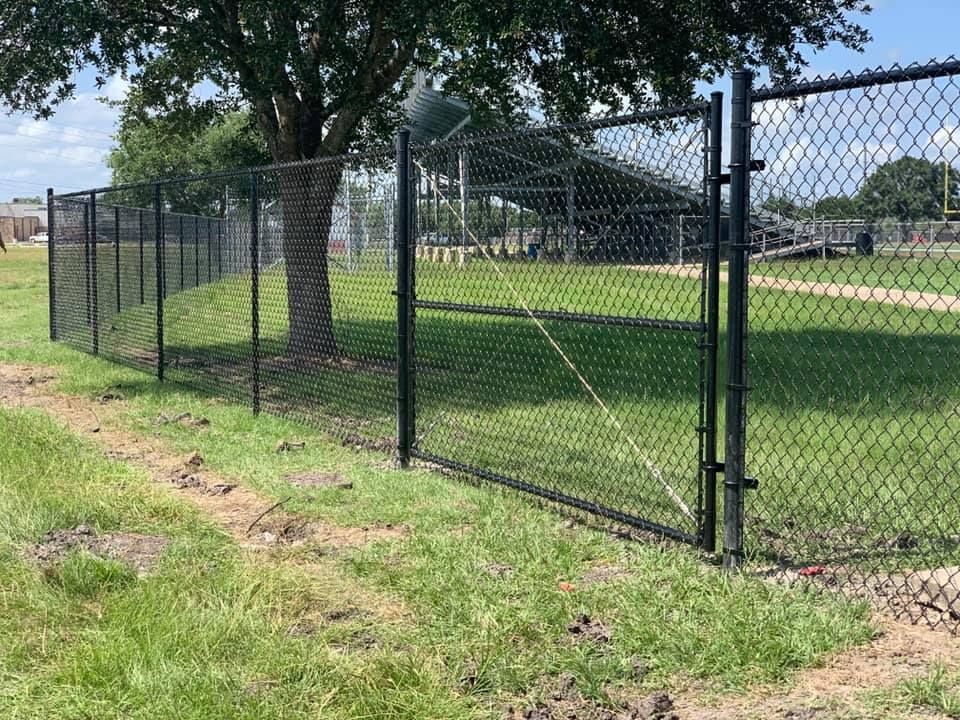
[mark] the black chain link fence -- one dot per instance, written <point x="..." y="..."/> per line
<point x="853" y="425"/>
<point x="544" y="308"/>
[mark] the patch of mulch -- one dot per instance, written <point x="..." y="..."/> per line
<point x="604" y="574"/>
<point x="565" y="702"/>
<point x="138" y="551"/>
<point x="310" y="478"/>
<point x="584" y="628"/>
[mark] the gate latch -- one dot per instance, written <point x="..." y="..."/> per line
<point x="755" y="166"/>
<point x="749" y="483"/>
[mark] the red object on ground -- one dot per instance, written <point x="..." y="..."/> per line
<point x="566" y="587"/>
<point x="813" y="570"/>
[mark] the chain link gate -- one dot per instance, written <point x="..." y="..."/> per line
<point x="557" y="324"/>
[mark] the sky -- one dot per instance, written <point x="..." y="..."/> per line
<point x="67" y="152"/>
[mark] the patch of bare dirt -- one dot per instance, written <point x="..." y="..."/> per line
<point x="564" y="701"/>
<point x="604" y="574"/>
<point x="585" y="628"/>
<point x="901" y="651"/>
<point x="314" y="479"/>
<point x="138" y="551"/>
<point x="234" y="507"/>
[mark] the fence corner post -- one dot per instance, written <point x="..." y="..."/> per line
<point x="51" y="264"/>
<point x="161" y="272"/>
<point x="404" y="302"/>
<point x="255" y="289"/>
<point x="736" y="396"/>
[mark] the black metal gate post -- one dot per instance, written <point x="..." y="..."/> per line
<point x="51" y="264"/>
<point x="404" y="302"/>
<point x="94" y="294"/>
<point x="255" y="288"/>
<point x="710" y="466"/>
<point x="736" y="400"/>
<point x="161" y="279"/>
<point x="116" y="253"/>
<point x="220" y="249"/>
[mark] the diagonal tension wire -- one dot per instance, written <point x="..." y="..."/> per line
<point x="651" y="467"/>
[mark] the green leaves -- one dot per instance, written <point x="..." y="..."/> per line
<point x="324" y="77"/>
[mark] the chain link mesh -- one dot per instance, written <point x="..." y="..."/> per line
<point x="853" y="352"/>
<point x="560" y="342"/>
<point x="559" y="313"/>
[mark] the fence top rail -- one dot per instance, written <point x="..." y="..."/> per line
<point x="679" y="111"/>
<point x="110" y="206"/>
<point x="867" y="78"/>
<point x="383" y="151"/>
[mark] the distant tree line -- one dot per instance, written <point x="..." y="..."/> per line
<point x="904" y="190"/>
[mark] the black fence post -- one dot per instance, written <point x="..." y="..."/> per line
<point x="181" y="251"/>
<point x="161" y="274"/>
<point x="220" y="249"/>
<point x="94" y="290"/>
<point x="196" y="251"/>
<point x="712" y="246"/>
<point x="86" y="263"/>
<point x="404" y="302"/>
<point x="736" y="401"/>
<point x="52" y="264"/>
<point x="116" y="253"/>
<point x="209" y="252"/>
<point x="255" y="288"/>
<point x="140" y="236"/>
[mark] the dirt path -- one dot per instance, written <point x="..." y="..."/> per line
<point x="837" y="689"/>
<point x="886" y="296"/>
<point x="833" y="691"/>
<point x="239" y="510"/>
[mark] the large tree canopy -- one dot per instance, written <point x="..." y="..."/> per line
<point x="320" y="75"/>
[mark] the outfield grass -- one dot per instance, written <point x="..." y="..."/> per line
<point x="189" y="640"/>
<point x="939" y="275"/>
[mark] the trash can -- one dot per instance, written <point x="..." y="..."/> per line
<point x="864" y="243"/>
<point x="532" y="251"/>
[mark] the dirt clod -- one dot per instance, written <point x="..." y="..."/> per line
<point x="498" y="570"/>
<point x="290" y="445"/>
<point x="183" y="480"/>
<point x="584" y="628"/>
<point x="658" y="706"/>
<point x="220" y="489"/>
<point x="193" y="460"/>
<point x="186" y="419"/>
<point x="138" y="551"/>
<point x="310" y="478"/>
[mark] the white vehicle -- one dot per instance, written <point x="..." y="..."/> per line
<point x="39" y="239"/>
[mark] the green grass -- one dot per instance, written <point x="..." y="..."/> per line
<point x="189" y="640"/>
<point x="939" y="275"/>
<point x="851" y="419"/>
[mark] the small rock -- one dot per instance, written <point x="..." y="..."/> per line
<point x="268" y="537"/>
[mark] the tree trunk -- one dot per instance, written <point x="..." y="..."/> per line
<point x="307" y="197"/>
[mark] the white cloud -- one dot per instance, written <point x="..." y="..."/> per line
<point x="944" y="144"/>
